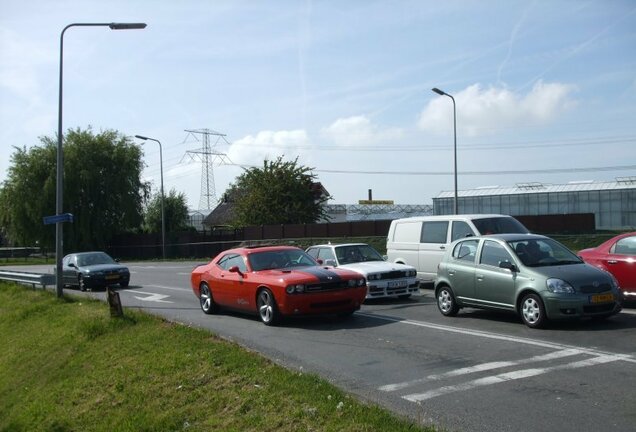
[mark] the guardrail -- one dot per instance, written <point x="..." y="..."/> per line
<point x="34" y="279"/>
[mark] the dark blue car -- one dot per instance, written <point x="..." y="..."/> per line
<point x="88" y="270"/>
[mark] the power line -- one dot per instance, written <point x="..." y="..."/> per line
<point x="468" y="173"/>
<point x="480" y="146"/>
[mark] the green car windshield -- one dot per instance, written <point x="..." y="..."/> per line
<point x="543" y="252"/>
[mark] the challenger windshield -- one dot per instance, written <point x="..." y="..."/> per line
<point x="280" y="259"/>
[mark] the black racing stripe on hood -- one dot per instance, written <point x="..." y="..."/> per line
<point x="323" y="275"/>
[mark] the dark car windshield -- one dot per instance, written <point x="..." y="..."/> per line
<point x="543" y="252"/>
<point x="280" y="259"/>
<point x="94" y="259"/>
<point x="357" y="253"/>
<point x="499" y="225"/>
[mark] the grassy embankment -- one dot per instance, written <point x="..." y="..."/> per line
<point x="66" y="365"/>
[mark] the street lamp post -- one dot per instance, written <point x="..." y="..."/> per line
<point x="59" y="184"/>
<point x="443" y="93"/>
<point x="163" y="215"/>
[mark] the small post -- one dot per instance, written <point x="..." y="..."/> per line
<point x="114" y="302"/>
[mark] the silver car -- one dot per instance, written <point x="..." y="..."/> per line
<point x="384" y="279"/>
<point x="532" y="275"/>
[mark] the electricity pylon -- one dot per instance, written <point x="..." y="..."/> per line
<point x="207" y="155"/>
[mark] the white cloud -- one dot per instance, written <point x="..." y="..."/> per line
<point x="252" y="150"/>
<point x="358" y="130"/>
<point x="483" y="111"/>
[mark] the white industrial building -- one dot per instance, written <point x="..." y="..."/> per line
<point x="613" y="203"/>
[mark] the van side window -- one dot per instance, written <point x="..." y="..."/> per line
<point x="434" y="232"/>
<point x="492" y="253"/>
<point x="407" y="232"/>
<point x="460" y="230"/>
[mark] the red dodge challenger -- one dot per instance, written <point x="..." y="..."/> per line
<point x="276" y="281"/>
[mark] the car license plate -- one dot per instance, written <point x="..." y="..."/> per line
<point x="396" y="284"/>
<point x="112" y="277"/>
<point x="602" y="298"/>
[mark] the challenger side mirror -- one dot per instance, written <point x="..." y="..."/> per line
<point x="235" y="269"/>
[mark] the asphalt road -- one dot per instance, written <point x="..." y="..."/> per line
<point x="479" y="371"/>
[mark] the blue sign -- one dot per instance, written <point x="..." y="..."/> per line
<point x="64" y="217"/>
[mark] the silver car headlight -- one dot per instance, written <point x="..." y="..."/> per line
<point x="559" y="286"/>
<point x="356" y="282"/>
<point x="374" y="276"/>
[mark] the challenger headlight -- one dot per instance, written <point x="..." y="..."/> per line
<point x="559" y="286"/>
<point x="412" y="273"/>
<point x="362" y="282"/>
<point x="297" y="288"/>
<point x="352" y="282"/>
<point x="374" y="276"/>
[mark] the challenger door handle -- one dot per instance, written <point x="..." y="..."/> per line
<point x="451" y="273"/>
<point x="480" y="277"/>
<point x="612" y="261"/>
<point x="442" y="247"/>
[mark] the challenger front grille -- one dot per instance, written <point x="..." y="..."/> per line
<point x="327" y="286"/>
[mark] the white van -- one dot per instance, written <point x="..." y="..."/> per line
<point x="421" y="241"/>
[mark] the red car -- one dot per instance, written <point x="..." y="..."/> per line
<point x="276" y="281"/>
<point x="617" y="256"/>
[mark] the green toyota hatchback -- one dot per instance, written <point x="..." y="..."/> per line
<point x="532" y="275"/>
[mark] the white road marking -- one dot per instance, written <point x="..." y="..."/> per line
<point x="153" y="297"/>
<point x="516" y="339"/>
<point x="509" y="376"/>
<point x="482" y="368"/>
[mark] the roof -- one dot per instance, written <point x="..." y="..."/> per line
<point x="268" y="248"/>
<point x="531" y="188"/>
<point x="451" y="217"/>
<point x="338" y="245"/>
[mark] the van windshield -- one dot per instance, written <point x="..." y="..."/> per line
<point x="499" y="225"/>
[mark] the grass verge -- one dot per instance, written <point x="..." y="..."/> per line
<point x="66" y="365"/>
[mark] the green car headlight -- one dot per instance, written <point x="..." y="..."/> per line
<point x="559" y="286"/>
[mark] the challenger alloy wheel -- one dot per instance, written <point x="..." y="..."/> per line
<point x="267" y="310"/>
<point x="205" y="299"/>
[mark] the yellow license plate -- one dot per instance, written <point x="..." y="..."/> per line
<point x="112" y="277"/>
<point x="602" y="298"/>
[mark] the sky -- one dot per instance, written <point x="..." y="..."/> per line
<point x="544" y="89"/>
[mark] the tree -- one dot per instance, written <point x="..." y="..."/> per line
<point x="278" y="193"/>
<point x="102" y="189"/>
<point x="175" y="209"/>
